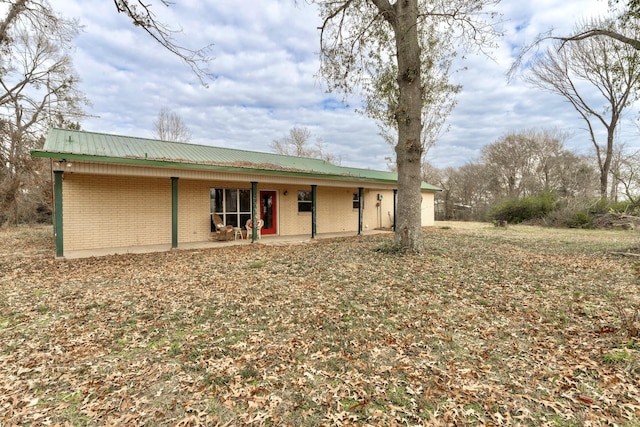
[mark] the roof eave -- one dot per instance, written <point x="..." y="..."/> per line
<point x="199" y="166"/>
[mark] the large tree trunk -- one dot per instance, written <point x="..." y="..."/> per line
<point x="409" y="149"/>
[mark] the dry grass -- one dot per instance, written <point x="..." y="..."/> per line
<point x="492" y="326"/>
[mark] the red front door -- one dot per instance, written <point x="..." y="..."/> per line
<point x="268" y="212"/>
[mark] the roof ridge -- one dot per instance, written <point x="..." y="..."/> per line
<point x="242" y="150"/>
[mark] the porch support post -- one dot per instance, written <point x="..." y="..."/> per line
<point x="57" y="211"/>
<point x="314" y="217"/>
<point x="360" y="208"/>
<point x="254" y="211"/>
<point x="174" y="212"/>
<point x="395" y="195"/>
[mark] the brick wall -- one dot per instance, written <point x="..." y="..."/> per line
<point x="335" y="212"/>
<point x="107" y="211"/>
<point x="114" y="211"/>
<point x="193" y="210"/>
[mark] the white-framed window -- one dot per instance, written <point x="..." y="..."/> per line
<point x="233" y="205"/>
<point x="305" y="201"/>
<point x="356" y="201"/>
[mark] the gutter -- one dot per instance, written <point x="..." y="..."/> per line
<point x="199" y="166"/>
<point x="134" y="161"/>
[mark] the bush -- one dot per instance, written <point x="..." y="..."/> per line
<point x="625" y="207"/>
<point x="599" y="207"/>
<point x="580" y="219"/>
<point x="569" y="216"/>
<point x="604" y="206"/>
<point x="585" y="213"/>
<point x="545" y="209"/>
<point x="515" y="211"/>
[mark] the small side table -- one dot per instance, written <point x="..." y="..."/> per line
<point x="237" y="232"/>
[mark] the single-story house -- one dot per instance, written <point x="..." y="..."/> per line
<point x="115" y="191"/>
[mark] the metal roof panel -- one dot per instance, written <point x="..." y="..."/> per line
<point x="116" y="147"/>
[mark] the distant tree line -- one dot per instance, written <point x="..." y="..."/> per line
<point x="530" y="175"/>
<point x="532" y="170"/>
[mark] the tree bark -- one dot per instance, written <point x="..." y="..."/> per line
<point x="606" y="165"/>
<point x="409" y="149"/>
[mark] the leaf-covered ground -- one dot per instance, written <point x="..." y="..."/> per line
<point x="517" y="326"/>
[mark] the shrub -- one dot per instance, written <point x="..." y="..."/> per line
<point x="600" y="206"/>
<point x="515" y="211"/>
<point x="604" y="206"/>
<point x="625" y="207"/>
<point x="583" y="215"/>
<point x="580" y="219"/>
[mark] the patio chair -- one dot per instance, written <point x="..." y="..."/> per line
<point x="222" y="232"/>
<point x="249" y="227"/>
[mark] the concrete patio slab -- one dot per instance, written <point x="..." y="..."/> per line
<point x="265" y="240"/>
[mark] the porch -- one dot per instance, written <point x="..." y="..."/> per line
<point x="268" y="240"/>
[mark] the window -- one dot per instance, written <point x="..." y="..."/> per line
<point x="305" y="202"/>
<point x="233" y="205"/>
<point x="356" y="201"/>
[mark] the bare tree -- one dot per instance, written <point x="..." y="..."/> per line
<point x="472" y="191"/>
<point x="510" y="160"/>
<point x="615" y="172"/>
<point x="443" y="199"/>
<point x="526" y="162"/>
<point x="38" y="90"/>
<point x="382" y="47"/>
<point x="611" y="70"/>
<point x="296" y="143"/>
<point x="465" y="192"/>
<point x="574" y="177"/>
<point x="627" y="175"/>
<point x="170" y="127"/>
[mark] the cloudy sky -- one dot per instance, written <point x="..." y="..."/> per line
<point x="266" y="64"/>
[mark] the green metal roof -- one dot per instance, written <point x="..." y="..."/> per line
<point x="91" y="146"/>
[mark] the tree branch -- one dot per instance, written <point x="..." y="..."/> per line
<point x="341" y="10"/>
<point x="599" y="32"/>
<point x="142" y="16"/>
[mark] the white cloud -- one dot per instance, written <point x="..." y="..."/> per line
<point x="265" y="65"/>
